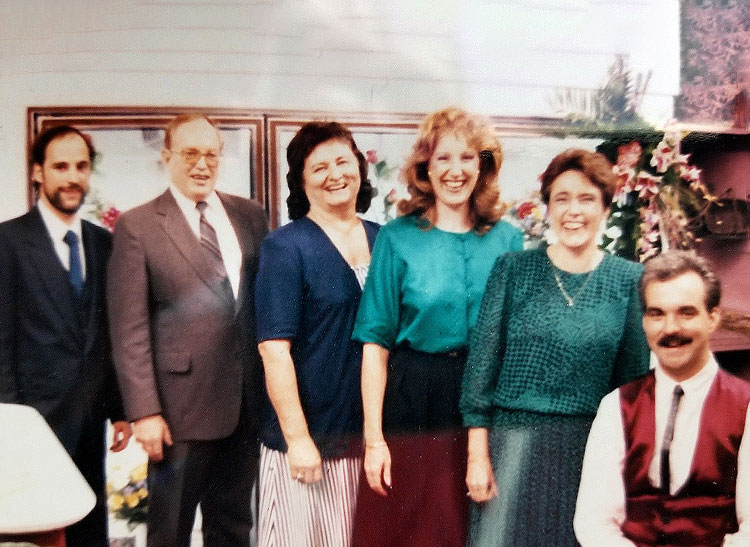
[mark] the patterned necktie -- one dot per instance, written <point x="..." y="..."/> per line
<point x="210" y="243"/>
<point x="668" y="436"/>
<point x="75" y="273"/>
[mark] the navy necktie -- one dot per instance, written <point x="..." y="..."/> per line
<point x="75" y="273"/>
<point x="668" y="436"/>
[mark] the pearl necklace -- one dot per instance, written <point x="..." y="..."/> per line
<point x="570" y="300"/>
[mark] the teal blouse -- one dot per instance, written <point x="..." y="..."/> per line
<point x="424" y="287"/>
<point x="532" y="353"/>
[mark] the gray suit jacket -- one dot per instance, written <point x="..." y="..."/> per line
<point x="182" y="349"/>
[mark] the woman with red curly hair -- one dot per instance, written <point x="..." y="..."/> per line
<point x="428" y="272"/>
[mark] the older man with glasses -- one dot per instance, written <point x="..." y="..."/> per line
<point x="180" y="300"/>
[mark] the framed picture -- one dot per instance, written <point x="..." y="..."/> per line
<point x="386" y="141"/>
<point x="128" y="170"/>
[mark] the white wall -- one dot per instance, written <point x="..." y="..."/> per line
<point x="498" y="57"/>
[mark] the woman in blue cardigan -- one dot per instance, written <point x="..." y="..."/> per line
<point x="308" y="288"/>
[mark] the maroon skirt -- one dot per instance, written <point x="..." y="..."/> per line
<point x="427" y="504"/>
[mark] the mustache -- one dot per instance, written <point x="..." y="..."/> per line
<point x="674" y="339"/>
<point x="71" y="186"/>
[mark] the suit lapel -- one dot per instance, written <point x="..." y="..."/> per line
<point x="179" y="232"/>
<point x="53" y="275"/>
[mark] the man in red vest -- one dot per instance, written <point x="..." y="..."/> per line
<point x="679" y="475"/>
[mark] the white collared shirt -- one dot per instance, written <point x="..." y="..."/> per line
<point x="217" y="216"/>
<point x="57" y="230"/>
<point x="600" y="510"/>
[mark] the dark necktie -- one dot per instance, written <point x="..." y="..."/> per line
<point x="668" y="436"/>
<point x="75" y="273"/>
<point x="210" y="243"/>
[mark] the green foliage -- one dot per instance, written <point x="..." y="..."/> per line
<point x="612" y="107"/>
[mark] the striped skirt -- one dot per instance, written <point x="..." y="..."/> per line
<point x="306" y="515"/>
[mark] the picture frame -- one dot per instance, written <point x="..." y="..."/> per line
<point x="128" y="171"/>
<point x="386" y="141"/>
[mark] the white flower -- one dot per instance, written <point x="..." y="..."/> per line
<point x="613" y="232"/>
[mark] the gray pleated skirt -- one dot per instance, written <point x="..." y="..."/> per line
<point x="537" y="462"/>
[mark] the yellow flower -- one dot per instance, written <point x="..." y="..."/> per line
<point x="110" y="488"/>
<point x="115" y="502"/>
<point x="139" y="473"/>
<point x="142" y="493"/>
<point x="132" y="500"/>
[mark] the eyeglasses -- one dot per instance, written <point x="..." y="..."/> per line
<point x="191" y="156"/>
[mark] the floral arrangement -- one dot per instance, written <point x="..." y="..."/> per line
<point x="529" y="216"/>
<point x="383" y="183"/>
<point x="130" y="501"/>
<point x="659" y="195"/>
<point x="105" y="213"/>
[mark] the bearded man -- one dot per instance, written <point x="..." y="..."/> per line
<point x="54" y="342"/>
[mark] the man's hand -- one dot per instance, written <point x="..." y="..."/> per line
<point x="121" y="436"/>
<point x="153" y="433"/>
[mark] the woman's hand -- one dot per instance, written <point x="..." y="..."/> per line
<point x="480" y="480"/>
<point x="378" y="467"/>
<point x="305" y="464"/>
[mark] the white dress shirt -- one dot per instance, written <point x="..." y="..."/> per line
<point x="57" y="230"/>
<point x="217" y="216"/>
<point x="600" y="510"/>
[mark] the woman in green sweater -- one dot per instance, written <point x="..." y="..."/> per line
<point x="558" y="329"/>
<point x="427" y="275"/>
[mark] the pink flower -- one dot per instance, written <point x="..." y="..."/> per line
<point x="681" y="159"/>
<point x="109" y="218"/>
<point x="662" y="157"/>
<point x="672" y="138"/>
<point x="691" y="174"/>
<point x="524" y="210"/>
<point x="628" y="155"/>
<point x="625" y="178"/>
<point x="646" y="185"/>
<point x="372" y="156"/>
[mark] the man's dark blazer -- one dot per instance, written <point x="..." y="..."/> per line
<point x="183" y="349"/>
<point x="47" y="359"/>
<point x="54" y="356"/>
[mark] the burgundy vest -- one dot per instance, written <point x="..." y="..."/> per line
<point x="702" y="511"/>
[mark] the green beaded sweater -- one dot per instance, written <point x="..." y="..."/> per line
<point x="532" y="352"/>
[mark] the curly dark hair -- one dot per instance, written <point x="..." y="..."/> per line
<point x="593" y="165"/>
<point x="301" y="146"/>
<point x="484" y="204"/>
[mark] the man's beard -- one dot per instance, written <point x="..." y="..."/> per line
<point x="57" y="202"/>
